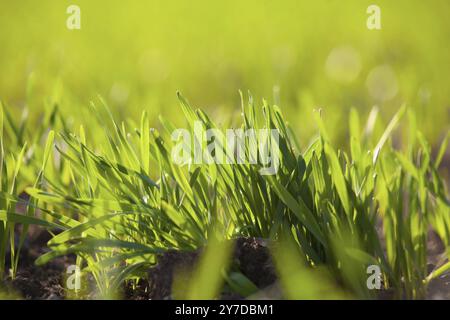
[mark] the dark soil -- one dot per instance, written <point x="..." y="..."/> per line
<point x="33" y="282"/>
<point x="438" y="288"/>
<point x="251" y="257"/>
<point x="255" y="261"/>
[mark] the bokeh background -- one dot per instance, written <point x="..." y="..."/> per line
<point x="298" y="54"/>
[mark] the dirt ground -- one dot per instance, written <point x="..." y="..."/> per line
<point x="33" y="282"/>
<point x="251" y="256"/>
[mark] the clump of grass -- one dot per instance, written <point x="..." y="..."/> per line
<point x="10" y="166"/>
<point x="123" y="201"/>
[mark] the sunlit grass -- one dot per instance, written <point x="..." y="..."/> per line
<point x="123" y="201"/>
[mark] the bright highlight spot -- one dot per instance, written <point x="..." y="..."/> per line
<point x="343" y="64"/>
<point x="382" y="83"/>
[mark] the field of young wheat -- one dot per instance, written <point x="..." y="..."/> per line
<point x="233" y="150"/>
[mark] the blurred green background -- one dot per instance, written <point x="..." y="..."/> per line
<point x="299" y="54"/>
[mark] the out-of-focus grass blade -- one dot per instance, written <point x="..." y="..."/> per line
<point x="438" y="272"/>
<point x="207" y="280"/>
<point x="298" y="281"/>
<point x="240" y="284"/>
<point x="391" y="126"/>
<point x="442" y="149"/>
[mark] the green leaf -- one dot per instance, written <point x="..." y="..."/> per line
<point x="442" y="149"/>
<point x="27" y="220"/>
<point x="391" y="126"/>
<point x="298" y="208"/>
<point x="240" y="284"/>
<point x="145" y="143"/>
<point x="338" y="177"/>
<point x="48" y="148"/>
